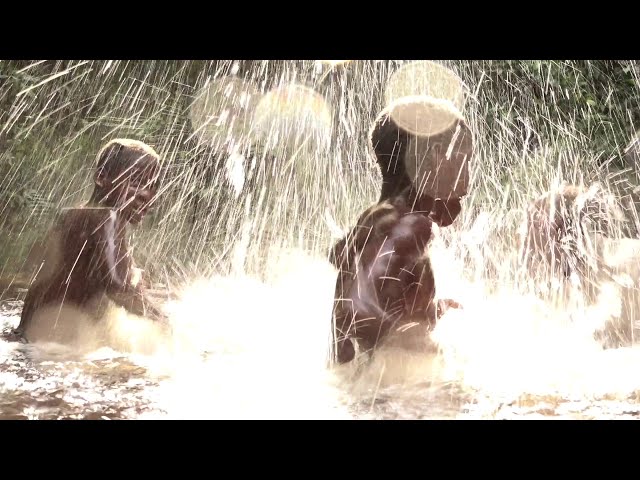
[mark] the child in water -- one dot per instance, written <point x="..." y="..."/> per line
<point x="87" y="259"/>
<point x="385" y="278"/>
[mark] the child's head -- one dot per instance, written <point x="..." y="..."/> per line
<point x="429" y="167"/>
<point x="127" y="177"/>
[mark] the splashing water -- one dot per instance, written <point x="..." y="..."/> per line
<point x="265" y="346"/>
<point x="265" y="163"/>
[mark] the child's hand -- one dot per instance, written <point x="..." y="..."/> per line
<point x="444" y="304"/>
<point x="136" y="277"/>
<point x="155" y="313"/>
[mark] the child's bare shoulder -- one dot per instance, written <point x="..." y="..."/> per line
<point x="380" y="217"/>
<point x="90" y="216"/>
<point x="85" y="222"/>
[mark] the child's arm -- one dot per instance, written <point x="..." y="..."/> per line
<point x="119" y="274"/>
<point x="135" y="300"/>
<point x="376" y="220"/>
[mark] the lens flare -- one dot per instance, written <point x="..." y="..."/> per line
<point x="293" y="118"/>
<point x="223" y="111"/>
<point x="439" y="97"/>
<point x="265" y="164"/>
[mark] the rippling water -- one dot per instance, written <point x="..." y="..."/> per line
<point x="245" y="349"/>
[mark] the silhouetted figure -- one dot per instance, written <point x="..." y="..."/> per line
<point x="571" y="234"/>
<point x="385" y="278"/>
<point x="87" y="258"/>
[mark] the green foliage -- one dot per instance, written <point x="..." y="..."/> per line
<point x="55" y="115"/>
<point x="598" y="100"/>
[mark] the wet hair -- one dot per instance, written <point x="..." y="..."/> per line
<point x="119" y="155"/>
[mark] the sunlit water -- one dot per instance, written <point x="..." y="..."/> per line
<point x="290" y="140"/>
<point x="244" y="349"/>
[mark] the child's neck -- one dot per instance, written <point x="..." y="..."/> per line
<point x="97" y="200"/>
<point x="394" y="186"/>
<point x="100" y="199"/>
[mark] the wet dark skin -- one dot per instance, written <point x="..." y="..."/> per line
<point x="385" y="277"/>
<point x="88" y="256"/>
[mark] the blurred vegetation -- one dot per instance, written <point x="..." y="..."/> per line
<point x="598" y="100"/>
<point x="55" y="115"/>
